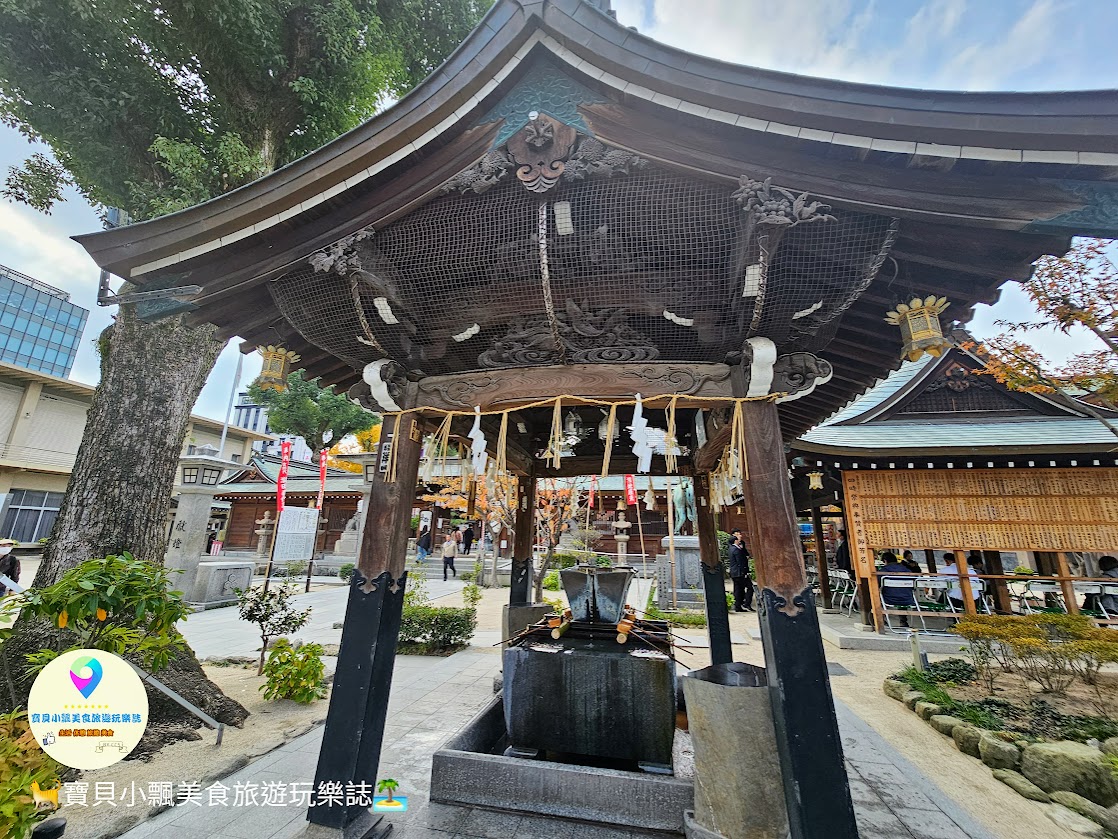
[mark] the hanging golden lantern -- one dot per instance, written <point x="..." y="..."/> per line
<point x="815" y="480"/>
<point x="277" y="365"/>
<point x="920" y="328"/>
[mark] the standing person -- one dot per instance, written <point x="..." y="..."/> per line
<point x="468" y="539"/>
<point x="9" y="565"/>
<point x="457" y="533"/>
<point x="909" y="562"/>
<point x="450" y="550"/>
<point x="739" y="574"/>
<point x="842" y="553"/>
<point x="423" y="545"/>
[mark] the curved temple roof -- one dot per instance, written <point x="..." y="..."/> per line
<point x="982" y="183"/>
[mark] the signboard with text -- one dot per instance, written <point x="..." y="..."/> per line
<point x="296" y="533"/>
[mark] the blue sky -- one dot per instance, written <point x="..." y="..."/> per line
<point x="946" y="44"/>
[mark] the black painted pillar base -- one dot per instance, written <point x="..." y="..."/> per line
<point x="359" y="700"/>
<point x="521" y="582"/>
<point x="718" y="615"/>
<point x="816" y="788"/>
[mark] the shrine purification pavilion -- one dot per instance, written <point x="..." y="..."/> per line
<point x="567" y="215"/>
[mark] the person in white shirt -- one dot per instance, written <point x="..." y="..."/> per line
<point x="955" y="593"/>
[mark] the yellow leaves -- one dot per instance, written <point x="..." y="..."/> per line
<point x="63" y="619"/>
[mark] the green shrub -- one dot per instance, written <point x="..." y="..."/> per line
<point x="724" y="545"/>
<point x="272" y="612"/>
<point x="295" y="568"/>
<point x="346" y="571"/>
<point x="957" y="671"/>
<point x="551" y="581"/>
<point x="415" y="524"/>
<point x="471" y="595"/>
<point x="555" y="603"/>
<point x="295" y="673"/>
<point x="468" y="576"/>
<point x="978" y="714"/>
<point x="119" y="604"/>
<point x="729" y="601"/>
<point x="22" y="763"/>
<point x="436" y="628"/>
<point x="564" y="559"/>
<point x="680" y="617"/>
<point x="603" y="561"/>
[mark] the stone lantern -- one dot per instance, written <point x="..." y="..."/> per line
<point x="204" y="582"/>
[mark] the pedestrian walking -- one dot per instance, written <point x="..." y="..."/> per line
<point x="423" y="545"/>
<point x="468" y="537"/>
<point x="450" y="550"/>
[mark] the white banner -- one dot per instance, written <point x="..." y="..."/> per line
<point x="296" y="533"/>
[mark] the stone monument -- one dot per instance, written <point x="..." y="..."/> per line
<point x="688" y="574"/>
<point x="621" y="535"/>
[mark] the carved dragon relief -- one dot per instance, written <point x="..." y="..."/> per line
<point x="678" y="380"/>
<point x="588" y="337"/>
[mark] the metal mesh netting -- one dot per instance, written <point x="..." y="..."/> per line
<point x="635" y="267"/>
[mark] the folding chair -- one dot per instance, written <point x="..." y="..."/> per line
<point x="888" y="609"/>
<point x="1087" y="590"/>
<point x="1032" y="604"/>
<point x="983" y="599"/>
<point x="843" y="589"/>
<point x="938" y="585"/>
<point x="1107" y="590"/>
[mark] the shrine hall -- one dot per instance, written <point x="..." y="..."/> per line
<point x="569" y="216"/>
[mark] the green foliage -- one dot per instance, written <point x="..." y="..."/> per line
<point x="152" y="107"/>
<point x="564" y="559"/>
<point x="415" y="593"/>
<point x="345" y="571"/>
<point x="1039" y="720"/>
<point x="680" y="617"/>
<point x="956" y="671"/>
<point x="311" y="412"/>
<point x="1022" y="570"/>
<point x="468" y="576"/>
<point x="603" y="561"/>
<point x="471" y="595"/>
<point x="117" y="603"/>
<point x="415" y="524"/>
<point x="729" y="601"/>
<point x="437" y="628"/>
<point x="973" y="712"/>
<point x="273" y="613"/>
<point x="295" y="568"/>
<point x="551" y="581"/>
<point x="22" y="763"/>
<point x="555" y="603"/>
<point x="295" y="673"/>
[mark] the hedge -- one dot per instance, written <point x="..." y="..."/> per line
<point x="436" y="628"/>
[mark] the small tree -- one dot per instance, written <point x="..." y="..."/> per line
<point x="273" y="612"/>
<point x="317" y="414"/>
<point x="1078" y="290"/>
<point x="556" y="505"/>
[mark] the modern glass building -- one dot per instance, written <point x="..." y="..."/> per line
<point x="39" y="327"/>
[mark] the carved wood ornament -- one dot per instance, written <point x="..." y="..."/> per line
<point x="540" y="150"/>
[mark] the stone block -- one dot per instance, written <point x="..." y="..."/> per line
<point x="1074" y="822"/>
<point x="927" y="710"/>
<point x="465" y="772"/>
<point x="1089" y="809"/>
<point x="729" y="717"/>
<point x="966" y="737"/>
<point x="1021" y="785"/>
<point x="514" y="619"/>
<point x="944" y="723"/>
<point x="216" y="582"/>
<point x="896" y="690"/>
<point x="911" y="698"/>
<point x="1074" y="767"/>
<point x="998" y="753"/>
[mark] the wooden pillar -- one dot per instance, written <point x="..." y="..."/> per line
<point x="523" y="540"/>
<point x="1070" y="601"/>
<point x="714" y="575"/>
<point x="930" y="560"/>
<point x="354" y="732"/>
<point x="821" y="558"/>
<point x="962" y="568"/>
<point x="1003" y="600"/>
<point x="815" y="784"/>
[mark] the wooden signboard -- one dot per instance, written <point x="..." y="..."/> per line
<point x="993" y="509"/>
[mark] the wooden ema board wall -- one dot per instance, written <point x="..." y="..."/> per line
<point x="995" y="509"/>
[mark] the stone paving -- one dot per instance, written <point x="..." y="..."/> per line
<point x="433" y="697"/>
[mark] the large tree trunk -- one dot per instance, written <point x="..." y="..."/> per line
<point x="119" y="495"/>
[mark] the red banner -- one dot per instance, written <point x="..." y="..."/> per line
<point x="593" y="489"/>
<point x="321" y="478"/>
<point x="281" y="480"/>
<point x="630" y="490"/>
